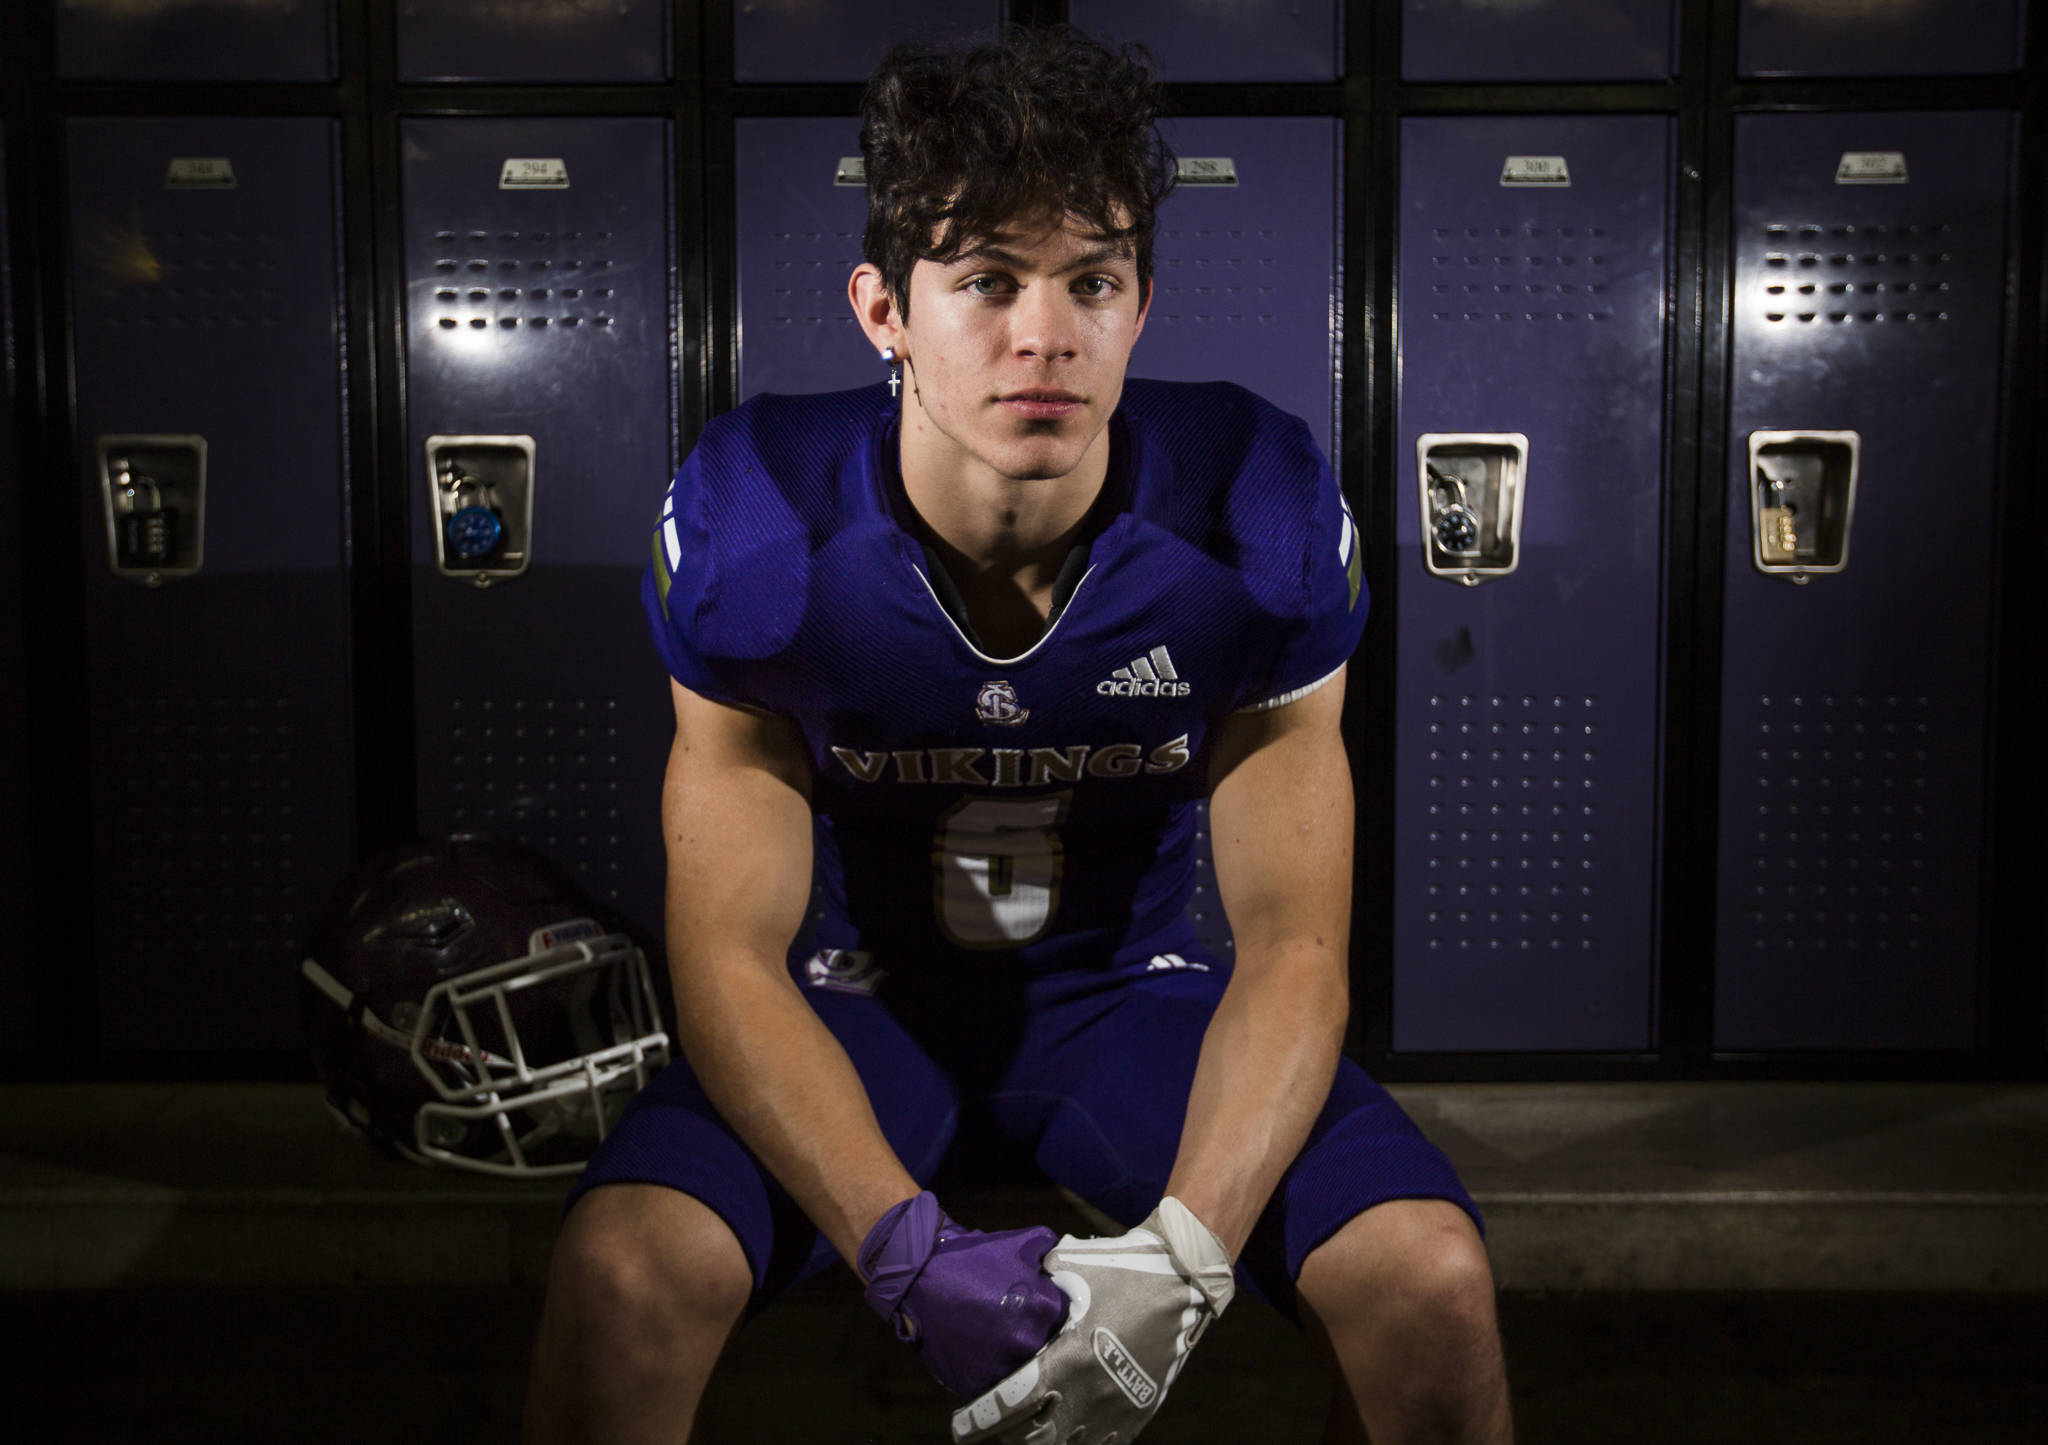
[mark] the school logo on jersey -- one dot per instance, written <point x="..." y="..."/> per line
<point x="996" y="704"/>
<point x="1152" y="675"/>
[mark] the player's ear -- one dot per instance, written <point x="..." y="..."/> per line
<point x="874" y="306"/>
<point x="1144" y="309"/>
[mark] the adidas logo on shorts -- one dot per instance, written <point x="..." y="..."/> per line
<point x="1152" y="675"/>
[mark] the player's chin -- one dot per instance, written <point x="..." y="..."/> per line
<point x="1041" y="469"/>
<point x="1042" y="457"/>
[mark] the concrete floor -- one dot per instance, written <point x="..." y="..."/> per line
<point x="447" y="1366"/>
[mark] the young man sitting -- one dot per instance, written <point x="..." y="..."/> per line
<point x="972" y="646"/>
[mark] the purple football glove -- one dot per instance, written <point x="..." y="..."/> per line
<point x="976" y="1305"/>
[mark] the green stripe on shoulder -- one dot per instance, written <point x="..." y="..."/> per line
<point x="661" y="577"/>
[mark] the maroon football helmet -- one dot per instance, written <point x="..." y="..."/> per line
<point x="468" y="1006"/>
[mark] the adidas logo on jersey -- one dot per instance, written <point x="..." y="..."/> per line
<point x="1149" y="676"/>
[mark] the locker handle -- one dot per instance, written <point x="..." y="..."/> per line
<point x="1472" y="486"/>
<point x="480" y="492"/>
<point x="1802" y="499"/>
<point x="153" y="494"/>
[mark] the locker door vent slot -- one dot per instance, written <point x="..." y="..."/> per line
<point x="1218" y="277"/>
<point x="207" y="863"/>
<point x="1802" y="498"/>
<point x="481" y="491"/>
<point x="1840" y="855"/>
<point x="201" y="281"/>
<point x="1514" y="825"/>
<point x="153" y="489"/>
<point x="1521" y="273"/>
<point x="811" y="267"/>
<point x="566" y="751"/>
<point x="1844" y="274"/>
<point x="534" y="279"/>
<point x="1472" y="485"/>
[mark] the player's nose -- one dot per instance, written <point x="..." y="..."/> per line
<point x="1042" y="322"/>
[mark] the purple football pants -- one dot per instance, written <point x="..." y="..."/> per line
<point x="1086" y="1073"/>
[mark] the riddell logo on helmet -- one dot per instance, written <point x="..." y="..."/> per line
<point x="1130" y="1377"/>
<point x="453" y="1053"/>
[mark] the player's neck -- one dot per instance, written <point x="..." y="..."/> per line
<point x="1004" y="542"/>
<point x="990" y="522"/>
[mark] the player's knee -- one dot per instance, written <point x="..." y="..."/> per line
<point x="1416" y="1262"/>
<point x="645" y="1271"/>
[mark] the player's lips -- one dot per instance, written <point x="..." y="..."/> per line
<point x="1040" y="403"/>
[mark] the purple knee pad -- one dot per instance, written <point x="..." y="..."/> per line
<point x="976" y="1305"/>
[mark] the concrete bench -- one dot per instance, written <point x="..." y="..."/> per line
<point x="1601" y="1187"/>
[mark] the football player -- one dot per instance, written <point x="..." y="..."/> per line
<point x="972" y="646"/>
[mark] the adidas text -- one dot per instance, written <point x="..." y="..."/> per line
<point x="1152" y="675"/>
<point x="1116" y="687"/>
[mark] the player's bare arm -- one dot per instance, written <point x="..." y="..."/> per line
<point x="1280" y="826"/>
<point x="737" y="820"/>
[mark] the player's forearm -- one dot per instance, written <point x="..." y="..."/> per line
<point x="787" y="1088"/>
<point x="1264" y="1072"/>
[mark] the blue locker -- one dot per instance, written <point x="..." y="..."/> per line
<point x="1244" y="272"/>
<point x="204" y="268"/>
<point x="800" y="40"/>
<point x="1533" y="277"/>
<point x="17" y="1018"/>
<point x="239" y="40"/>
<point x="516" y="40"/>
<point x="1879" y="37"/>
<point x="1226" y="40"/>
<point x="800" y="209"/>
<point x="1539" y="40"/>
<point x="541" y="401"/>
<point x="1870" y="265"/>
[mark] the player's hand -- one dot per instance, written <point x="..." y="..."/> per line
<point x="976" y="1305"/>
<point x="1137" y="1304"/>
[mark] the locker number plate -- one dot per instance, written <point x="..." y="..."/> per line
<point x="1535" y="171"/>
<point x="1871" y="168"/>
<point x="526" y="173"/>
<point x="1207" y="171"/>
<point x="200" y="173"/>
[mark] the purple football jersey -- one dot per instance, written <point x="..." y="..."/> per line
<point x="1037" y="806"/>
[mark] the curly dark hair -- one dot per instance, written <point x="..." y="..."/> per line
<point x="1047" y="123"/>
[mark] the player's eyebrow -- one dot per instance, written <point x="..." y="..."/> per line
<point x="1101" y="255"/>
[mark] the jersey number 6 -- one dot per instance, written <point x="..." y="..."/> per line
<point x="996" y="869"/>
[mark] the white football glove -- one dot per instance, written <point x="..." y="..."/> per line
<point x="1136" y="1305"/>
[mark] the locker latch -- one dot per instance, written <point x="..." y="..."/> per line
<point x="1802" y="497"/>
<point x="481" y="490"/>
<point x="154" y="492"/>
<point x="1471" y="485"/>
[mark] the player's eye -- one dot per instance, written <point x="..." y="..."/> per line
<point x="988" y="284"/>
<point x="1100" y="288"/>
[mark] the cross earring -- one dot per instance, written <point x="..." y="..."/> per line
<point x="895" y="375"/>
